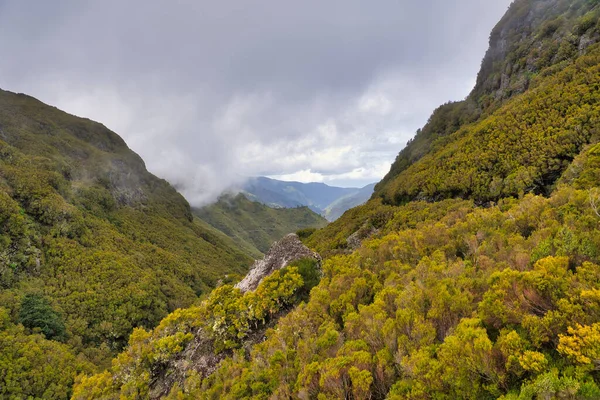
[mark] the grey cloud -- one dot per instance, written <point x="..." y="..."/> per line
<point x="210" y="92"/>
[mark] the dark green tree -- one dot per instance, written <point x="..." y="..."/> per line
<point x="36" y="312"/>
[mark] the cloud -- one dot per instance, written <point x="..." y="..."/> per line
<point x="209" y="93"/>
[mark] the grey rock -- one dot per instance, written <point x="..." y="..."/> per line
<point x="199" y="355"/>
<point x="586" y="41"/>
<point x="355" y="240"/>
<point x="281" y="254"/>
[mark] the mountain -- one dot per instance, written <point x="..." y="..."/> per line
<point x="319" y="197"/>
<point x="472" y="273"/>
<point x="335" y="209"/>
<point x="255" y="226"/>
<point x="91" y="246"/>
<point x="532" y="81"/>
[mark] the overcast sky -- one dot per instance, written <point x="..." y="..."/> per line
<point x="209" y="92"/>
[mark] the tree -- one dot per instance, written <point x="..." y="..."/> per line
<point x="36" y="312"/>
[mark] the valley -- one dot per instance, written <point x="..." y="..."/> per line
<point x="470" y="271"/>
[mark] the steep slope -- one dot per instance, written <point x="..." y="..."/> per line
<point x="535" y="40"/>
<point x="103" y="244"/>
<point x="255" y="226"/>
<point x="474" y="272"/>
<point x="193" y="342"/>
<point x="449" y="301"/>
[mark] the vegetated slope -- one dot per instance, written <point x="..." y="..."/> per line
<point x="255" y="226"/>
<point x="317" y="196"/>
<point x="437" y="287"/>
<point x="450" y="300"/>
<point x="335" y="210"/>
<point x="192" y="342"/>
<point x="534" y="40"/>
<point x="91" y="246"/>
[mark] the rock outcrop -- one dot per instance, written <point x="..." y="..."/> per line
<point x="199" y="354"/>
<point x="283" y="252"/>
<point x="355" y="240"/>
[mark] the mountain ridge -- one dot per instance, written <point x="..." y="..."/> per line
<point x="102" y="245"/>
<point x="318" y="196"/>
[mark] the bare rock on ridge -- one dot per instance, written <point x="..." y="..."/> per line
<point x="199" y="354"/>
<point x="281" y="254"/>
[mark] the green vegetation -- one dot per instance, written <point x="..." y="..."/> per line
<point x="523" y="147"/>
<point x="449" y="300"/>
<point x="474" y="273"/>
<point x="254" y="226"/>
<point x="36" y="312"/>
<point x="33" y="367"/>
<point x="226" y="319"/>
<point x="91" y="246"/>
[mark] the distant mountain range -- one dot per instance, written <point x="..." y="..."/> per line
<point x="329" y="201"/>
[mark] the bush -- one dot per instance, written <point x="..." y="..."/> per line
<point x="310" y="271"/>
<point x="36" y="312"/>
<point x="305" y="233"/>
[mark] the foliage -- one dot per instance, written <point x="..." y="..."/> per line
<point x="255" y="226"/>
<point x="36" y="312"/>
<point x="33" y="367"/>
<point x="226" y="318"/>
<point x="475" y="274"/>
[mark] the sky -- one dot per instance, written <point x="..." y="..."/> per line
<point x="212" y="92"/>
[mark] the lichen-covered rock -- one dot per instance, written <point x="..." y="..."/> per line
<point x="283" y="252"/>
<point x="355" y="240"/>
<point x="199" y="355"/>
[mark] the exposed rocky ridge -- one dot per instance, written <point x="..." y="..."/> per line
<point x="533" y="35"/>
<point x="199" y="355"/>
<point x="283" y="252"/>
<point x="355" y="240"/>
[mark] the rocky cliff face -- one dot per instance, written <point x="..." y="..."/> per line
<point x="535" y="39"/>
<point x="533" y="35"/>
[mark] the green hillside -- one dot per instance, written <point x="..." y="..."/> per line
<point x="474" y="271"/>
<point x="254" y="226"/>
<point x="533" y="50"/>
<point x="91" y="246"/>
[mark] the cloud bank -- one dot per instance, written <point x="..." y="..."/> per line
<point x="209" y="93"/>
